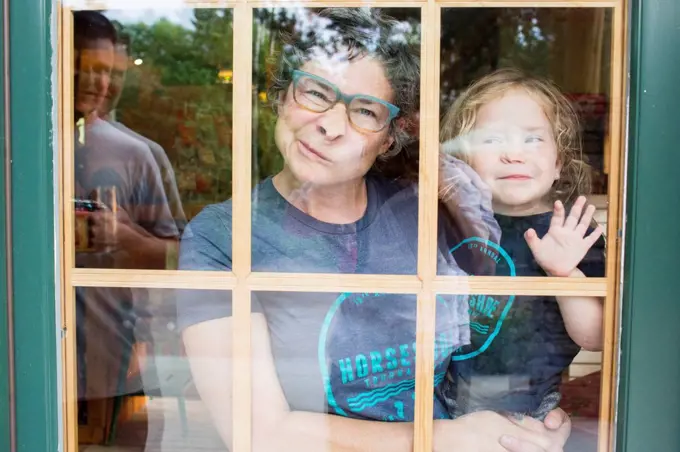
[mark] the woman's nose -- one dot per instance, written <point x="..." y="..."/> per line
<point x="333" y="123"/>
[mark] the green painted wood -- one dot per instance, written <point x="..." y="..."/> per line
<point x="4" y="387"/>
<point x="649" y="405"/>
<point x="31" y="26"/>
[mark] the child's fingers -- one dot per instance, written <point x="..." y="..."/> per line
<point x="532" y="239"/>
<point x="593" y="237"/>
<point x="586" y="219"/>
<point x="575" y="213"/>
<point x="557" y="220"/>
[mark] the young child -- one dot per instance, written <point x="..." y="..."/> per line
<point x="521" y="136"/>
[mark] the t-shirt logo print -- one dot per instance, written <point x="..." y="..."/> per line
<point x="487" y="312"/>
<point x="367" y="355"/>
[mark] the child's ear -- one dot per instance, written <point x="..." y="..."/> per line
<point x="558" y="170"/>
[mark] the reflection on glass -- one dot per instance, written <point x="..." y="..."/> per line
<point x="333" y="124"/>
<point x="135" y="387"/>
<point x="533" y="148"/>
<point x="545" y="42"/>
<point x="152" y="147"/>
<point x="525" y="359"/>
<point x="153" y="130"/>
<point x="534" y="155"/>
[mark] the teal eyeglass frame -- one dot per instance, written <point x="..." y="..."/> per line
<point x="345" y="98"/>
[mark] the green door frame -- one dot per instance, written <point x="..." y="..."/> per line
<point x="649" y="401"/>
<point x="4" y="333"/>
<point x="32" y="28"/>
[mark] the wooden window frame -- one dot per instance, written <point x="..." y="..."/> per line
<point x="425" y="284"/>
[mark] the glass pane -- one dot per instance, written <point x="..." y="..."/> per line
<point x="338" y="361"/>
<point x="136" y="390"/>
<point x="152" y="131"/>
<point x="527" y="109"/>
<point x="523" y="360"/>
<point x="334" y="140"/>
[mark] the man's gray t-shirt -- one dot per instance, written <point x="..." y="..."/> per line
<point x="166" y="171"/>
<point x="106" y="158"/>
<point x="351" y="354"/>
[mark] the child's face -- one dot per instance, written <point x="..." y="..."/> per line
<point x="514" y="152"/>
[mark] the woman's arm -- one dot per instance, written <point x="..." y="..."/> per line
<point x="277" y="428"/>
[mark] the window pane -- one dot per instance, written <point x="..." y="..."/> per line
<point x="335" y="185"/>
<point x="135" y="385"/>
<point x="339" y="361"/>
<point x="528" y="110"/>
<point x="152" y="131"/>
<point x="524" y="359"/>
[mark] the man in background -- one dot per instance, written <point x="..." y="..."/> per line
<point x="128" y="225"/>
<point x="107" y="112"/>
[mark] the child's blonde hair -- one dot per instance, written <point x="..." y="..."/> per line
<point x="461" y="118"/>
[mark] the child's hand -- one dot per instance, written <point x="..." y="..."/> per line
<point x="566" y="244"/>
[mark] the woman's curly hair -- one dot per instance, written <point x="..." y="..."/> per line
<point x="575" y="174"/>
<point x="359" y="32"/>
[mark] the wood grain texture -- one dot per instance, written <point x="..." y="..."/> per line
<point x="241" y="225"/>
<point x="66" y="253"/>
<point x="612" y="306"/>
<point x="427" y="224"/>
<point x="152" y="279"/>
<point x="151" y="4"/>
<point x="509" y="285"/>
<point x="323" y="282"/>
<point x="529" y="4"/>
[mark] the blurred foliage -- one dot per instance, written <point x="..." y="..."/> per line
<point x="181" y="96"/>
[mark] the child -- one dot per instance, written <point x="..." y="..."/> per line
<point x="521" y="136"/>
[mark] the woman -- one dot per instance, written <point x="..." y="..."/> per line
<point x="343" y="95"/>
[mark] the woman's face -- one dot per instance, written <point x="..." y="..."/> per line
<point x="325" y="149"/>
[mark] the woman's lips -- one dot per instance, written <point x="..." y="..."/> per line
<point x="311" y="152"/>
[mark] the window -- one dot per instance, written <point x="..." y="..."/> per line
<point x="168" y="110"/>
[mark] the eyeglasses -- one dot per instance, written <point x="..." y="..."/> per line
<point x="317" y="94"/>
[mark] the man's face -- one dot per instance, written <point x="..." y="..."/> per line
<point x="120" y="65"/>
<point x="93" y="75"/>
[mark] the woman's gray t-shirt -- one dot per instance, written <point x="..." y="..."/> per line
<point x="351" y="354"/>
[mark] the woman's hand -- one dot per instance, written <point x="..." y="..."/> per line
<point x="557" y="426"/>
<point x="466" y="198"/>
<point x="566" y="243"/>
<point x="485" y="431"/>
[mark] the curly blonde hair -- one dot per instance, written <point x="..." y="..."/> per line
<point x="575" y="175"/>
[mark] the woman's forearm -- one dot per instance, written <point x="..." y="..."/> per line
<point x="316" y="432"/>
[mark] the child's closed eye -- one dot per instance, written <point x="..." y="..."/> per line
<point x="534" y="139"/>
<point x="492" y="140"/>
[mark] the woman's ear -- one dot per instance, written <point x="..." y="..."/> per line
<point x="280" y="99"/>
<point x="387" y="144"/>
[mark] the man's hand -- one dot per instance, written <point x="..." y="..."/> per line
<point x="566" y="243"/>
